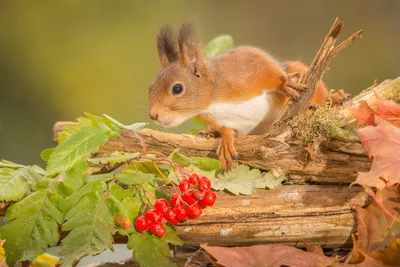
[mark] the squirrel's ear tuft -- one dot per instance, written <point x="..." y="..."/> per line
<point x="166" y="45"/>
<point x="189" y="47"/>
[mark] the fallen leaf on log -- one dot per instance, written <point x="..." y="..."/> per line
<point x="375" y="228"/>
<point x="382" y="144"/>
<point x="363" y="113"/>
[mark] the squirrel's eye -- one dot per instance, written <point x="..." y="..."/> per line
<point x="177" y="89"/>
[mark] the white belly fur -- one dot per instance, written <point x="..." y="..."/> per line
<point x="242" y="117"/>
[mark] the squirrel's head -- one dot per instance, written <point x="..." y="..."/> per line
<point x="181" y="89"/>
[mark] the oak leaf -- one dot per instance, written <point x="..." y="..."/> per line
<point x="382" y="144"/>
<point x="267" y="256"/>
<point x="388" y="110"/>
<point x="376" y="228"/>
<point x="363" y="113"/>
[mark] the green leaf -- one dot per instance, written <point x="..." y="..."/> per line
<point x="92" y="227"/>
<point x="242" y="180"/>
<point x="218" y="45"/>
<point x="16" y="183"/>
<point x="79" y="146"/>
<point x="32" y="227"/>
<point x="118" y="192"/>
<point x="113" y="158"/>
<point x="134" y="178"/>
<point x="180" y="159"/>
<point x="72" y="200"/>
<point x="99" y="177"/>
<point x="149" y="250"/>
<point x="67" y="131"/>
<point x="9" y="164"/>
<point x="132" y="205"/>
<point x="71" y="180"/>
<point x="171" y="236"/>
<point x="133" y="127"/>
<point x="45" y="154"/>
<point x="206" y="164"/>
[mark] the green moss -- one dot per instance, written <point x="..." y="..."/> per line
<point x="321" y="123"/>
<point x="393" y="92"/>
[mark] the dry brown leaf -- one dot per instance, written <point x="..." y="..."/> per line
<point x="382" y="143"/>
<point x="389" y="257"/>
<point x="314" y="249"/>
<point x="267" y="256"/>
<point x="363" y="114"/>
<point x="388" y="110"/>
<point x="375" y="228"/>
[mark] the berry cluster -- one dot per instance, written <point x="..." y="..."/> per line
<point x="195" y="195"/>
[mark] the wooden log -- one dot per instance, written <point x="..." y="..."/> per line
<point x="339" y="161"/>
<point x="289" y="214"/>
<point x="320" y="215"/>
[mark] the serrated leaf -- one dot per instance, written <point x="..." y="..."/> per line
<point x="92" y="228"/>
<point x="242" y="180"/>
<point x="132" y="205"/>
<point x="218" y="45"/>
<point x="149" y="250"/>
<point x="71" y="180"/>
<point x="171" y="237"/>
<point x="67" y="131"/>
<point x="79" y="146"/>
<point x="99" y="177"/>
<point x="72" y="200"/>
<point x="133" y="127"/>
<point x="134" y="178"/>
<point x="9" y="164"/>
<point x="180" y="159"/>
<point x="118" y="192"/>
<point x="114" y="158"/>
<point x="203" y="163"/>
<point x="207" y="164"/>
<point x="16" y="183"/>
<point x="32" y="227"/>
<point x="45" y="154"/>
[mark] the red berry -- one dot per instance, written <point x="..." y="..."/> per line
<point x="194" y="211"/>
<point x="141" y="224"/>
<point x="181" y="213"/>
<point x="174" y="200"/>
<point x="184" y="185"/>
<point x="204" y="183"/>
<point x="194" y="179"/>
<point x="203" y="186"/>
<point x="161" y="205"/>
<point x="208" y="199"/>
<point x="188" y="197"/>
<point x="158" y="229"/>
<point x="153" y="215"/>
<point x="170" y="215"/>
<point x="197" y="194"/>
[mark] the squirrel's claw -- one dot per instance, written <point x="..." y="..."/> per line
<point x="339" y="97"/>
<point x="227" y="153"/>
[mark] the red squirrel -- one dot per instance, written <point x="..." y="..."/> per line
<point x="241" y="91"/>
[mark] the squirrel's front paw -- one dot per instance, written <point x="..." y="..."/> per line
<point x="339" y="97"/>
<point x="207" y="134"/>
<point x="227" y="153"/>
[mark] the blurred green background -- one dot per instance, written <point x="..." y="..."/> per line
<point x="59" y="59"/>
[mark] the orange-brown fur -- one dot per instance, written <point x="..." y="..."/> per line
<point x="232" y="77"/>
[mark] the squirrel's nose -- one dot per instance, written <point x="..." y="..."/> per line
<point x="153" y="115"/>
